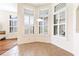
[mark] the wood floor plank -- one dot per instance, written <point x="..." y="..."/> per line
<point x="42" y="49"/>
<point x="7" y="44"/>
<point x="37" y="49"/>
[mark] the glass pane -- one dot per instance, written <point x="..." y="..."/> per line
<point x="26" y="20"/>
<point x="28" y="11"/>
<point x="10" y="23"/>
<point x="32" y="24"/>
<point x="11" y="29"/>
<point x="31" y="20"/>
<point x="55" y="30"/>
<point x="62" y="17"/>
<point x="62" y="30"/>
<point x="26" y="23"/>
<point x="14" y="23"/>
<point x="45" y="29"/>
<point x="55" y="19"/>
<point x="59" y="6"/>
<point x="32" y="29"/>
<point x="14" y="29"/>
<point x="43" y="24"/>
<point x="43" y="13"/>
<point x="46" y="21"/>
<point x="26" y="29"/>
<point x="41" y="29"/>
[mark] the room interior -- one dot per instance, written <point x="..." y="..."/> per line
<point x="39" y="29"/>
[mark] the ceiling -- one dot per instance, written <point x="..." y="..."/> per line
<point x="13" y="6"/>
<point x="39" y="4"/>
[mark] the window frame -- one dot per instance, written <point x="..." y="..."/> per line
<point x="29" y="25"/>
<point x="12" y="24"/>
<point x="43" y="31"/>
<point x="65" y="23"/>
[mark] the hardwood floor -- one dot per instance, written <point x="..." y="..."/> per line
<point x="42" y="49"/>
<point x="37" y="49"/>
<point x="7" y="44"/>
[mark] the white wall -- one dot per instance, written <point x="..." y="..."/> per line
<point x="71" y="42"/>
<point x="7" y="9"/>
<point x="4" y="21"/>
<point x="67" y="41"/>
<point x="76" y="29"/>
<point x="11" y="7"/>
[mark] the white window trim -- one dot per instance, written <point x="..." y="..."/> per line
<point x="29" y="28"/>
<point x="12" y="26"/>
<point x="47" y="24"/>
<point x="57" y="12"/>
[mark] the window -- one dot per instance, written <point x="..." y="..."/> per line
<point x="43" y="25"/>
<point x="55" y="30"/>
<point x="59" y="6"/>
<point x="29" y="22"/>
<point x="59" y="21"/>
<point x="12" y="24"/>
